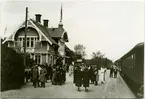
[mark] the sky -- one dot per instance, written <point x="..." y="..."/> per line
<point x="112" y="27"/>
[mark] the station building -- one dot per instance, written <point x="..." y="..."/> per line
<point x="43" y="44"/>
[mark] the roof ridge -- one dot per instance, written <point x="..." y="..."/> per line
<point x="44" y="30"/>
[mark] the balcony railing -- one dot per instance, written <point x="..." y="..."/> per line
<point x="20" y="48"/>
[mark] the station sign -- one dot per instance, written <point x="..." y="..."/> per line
<point x="79" y="60"/>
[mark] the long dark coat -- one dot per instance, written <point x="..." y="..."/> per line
<point x="59" y="75"/>
<point x="35" y="74"/>
<point x="86" y="78"/>
<point x="74" y="78"/>
<point x="91" y="74"/>
<point x="78" y="78"/>
<point x="63" y="74"/>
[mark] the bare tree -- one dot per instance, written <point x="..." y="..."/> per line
<point x="80" y="50"/>
<point x="97" y="54"/>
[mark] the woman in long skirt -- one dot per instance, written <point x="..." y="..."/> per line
<point x="54" y="74"/>
<point x="74" y="77"/>
<point x="86" y="78"/>
<point x="101" y="75"/>
<point x="96" y="76"/>
<point x="92" y="75"/>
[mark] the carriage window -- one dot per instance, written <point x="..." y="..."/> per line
<point x="134" y="60"/>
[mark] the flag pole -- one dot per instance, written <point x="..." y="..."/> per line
<point x="25" y="39"/>
<point x="61" y="13"/>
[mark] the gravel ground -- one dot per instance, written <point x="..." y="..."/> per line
<point x="113" y="88"/>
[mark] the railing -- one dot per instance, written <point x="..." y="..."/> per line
<point x="18" y="46"/>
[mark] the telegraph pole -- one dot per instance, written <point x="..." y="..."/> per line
<point x="25" y="39"/>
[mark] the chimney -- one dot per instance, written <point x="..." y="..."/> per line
<point x="45" y="23"/>
<point x="38" y="18"/>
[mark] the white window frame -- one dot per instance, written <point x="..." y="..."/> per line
<point x="48" y="46"/>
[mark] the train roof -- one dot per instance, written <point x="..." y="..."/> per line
<point x="137" y="46"/>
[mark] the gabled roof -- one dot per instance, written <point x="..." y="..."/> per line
<point x="69" y="52"/>
<point x="56" y="32"/>
<point x="49" y="33"/>
<point x="44" y="31"/>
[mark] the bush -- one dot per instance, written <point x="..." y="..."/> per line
<point x="12" y="69"/>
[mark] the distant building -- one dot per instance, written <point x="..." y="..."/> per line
<point x="44" y="44"/>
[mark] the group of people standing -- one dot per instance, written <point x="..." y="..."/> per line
<point x="81" y="76"/>
<point x="39" y="73"/>
<point x="84" y="74"/>
<point x="98" y="75"/>
<point x="113" y="71"/>
<point x="59" y="74"/>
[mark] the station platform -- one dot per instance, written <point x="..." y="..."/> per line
<point x="113" y="88"/>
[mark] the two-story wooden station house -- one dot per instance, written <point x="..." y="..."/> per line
<point x="43" y="44"/>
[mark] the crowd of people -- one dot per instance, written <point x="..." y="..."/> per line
<point x="40" y="74"/>
<point x="83" y="75"/>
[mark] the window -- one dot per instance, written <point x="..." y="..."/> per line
<point x="32" y="42"/>
<point x="47" y="46"/>
<point x="28" y="44"/>
<point x="20" y="39"/>
<point x="51" y="58"/>
<point x="134" y="59"/>
<point x="37" y="59"/>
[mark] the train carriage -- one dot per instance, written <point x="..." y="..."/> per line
<point x="132" y="66"/>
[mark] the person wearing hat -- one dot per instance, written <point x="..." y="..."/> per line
<point x="86" y="77"/>
<point x="35" y="75"/>
<point x="78" y="78"/>
<point x="54" y="75"/>
<point x="42" y="77"/>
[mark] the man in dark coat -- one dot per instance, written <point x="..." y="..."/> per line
<point x="78" y="78"/>
<point x="86" y="78"/>
<point x="35" y="75"/>
<point x="74" y="74"/>
<point x="26" y="75"/>
<point x="49" y="72"/>
<point x="58" y="75"/>
<point x="111" y="71"/>
<point x="115" y="72"/>
<point x="92" y="75"/>
<point x="63" y="74"/>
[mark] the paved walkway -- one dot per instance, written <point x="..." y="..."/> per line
<point x="113" y="88"/>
